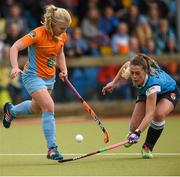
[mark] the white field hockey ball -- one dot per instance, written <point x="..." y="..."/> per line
<point x="79" y="138"/>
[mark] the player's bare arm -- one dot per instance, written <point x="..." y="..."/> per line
<point x="62" y="64"/>
<point x="150" y="110"/>
<point x="17" y="46"/>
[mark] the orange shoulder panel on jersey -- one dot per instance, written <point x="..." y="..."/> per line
<point x="32" y="37"/>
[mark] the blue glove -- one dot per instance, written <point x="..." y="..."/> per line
<point x="134" y="137"/>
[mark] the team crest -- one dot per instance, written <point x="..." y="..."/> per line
<point x="173" y="96"/>
<point x="32" y="34"/>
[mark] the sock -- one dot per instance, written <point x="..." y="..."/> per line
<point x="154" y="133"/>
<point x="49" y="128"/>
<point x="22" y="108"/>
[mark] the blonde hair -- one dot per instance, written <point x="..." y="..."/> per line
<point x="55" y="15"/>
<point x="146" y="62"/>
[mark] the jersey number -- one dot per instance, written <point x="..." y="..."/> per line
<point x="50" y="62"/>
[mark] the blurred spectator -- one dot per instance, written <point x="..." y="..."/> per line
<point x="120" y="40"/>
<point x="132" y="17"/>
<point x="151" y="47"/>
<point x="15" y="16"/>
<point x="153" y="15"/>
<point x="90" y="29"/>
<point x="133" y="46"/>
<point x="90" y="24"/>
<point x="77" y="45"/>
<point x="13" y="33"/>
<point x="162" y="34"/>
<point x="4" y="7"/>
<point x="83" y="6"/>
<point x="101" y="45"/>
<point x="171" y="47"/>
<point x="109" y="21"/>
<point x="143" y="32"/>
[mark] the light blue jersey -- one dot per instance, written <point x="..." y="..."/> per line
<point x="160" y="83"/>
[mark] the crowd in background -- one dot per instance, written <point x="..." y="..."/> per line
<point x="99" y="28"/>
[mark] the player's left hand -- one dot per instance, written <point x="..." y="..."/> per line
<point x="134" y="137"/>
<point x="62" y="75"/>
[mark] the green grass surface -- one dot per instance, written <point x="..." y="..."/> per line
<point x="28" y="139"/>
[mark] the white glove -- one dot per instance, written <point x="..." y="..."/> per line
<point x="125" y="73"/>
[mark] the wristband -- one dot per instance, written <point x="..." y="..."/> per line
<point x="137" y="132"/>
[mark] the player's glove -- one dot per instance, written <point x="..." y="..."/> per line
<point x="134" y="137"/>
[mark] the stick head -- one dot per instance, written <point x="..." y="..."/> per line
<point x="106" y="137"/>
<point x="65" y="160"/>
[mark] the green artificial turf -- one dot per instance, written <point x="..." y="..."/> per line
<point x="23" y="151"/>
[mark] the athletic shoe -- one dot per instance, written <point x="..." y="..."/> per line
<point x="128" y="144"/>
<point x="7" y="116"/>
<point x="146" y="152"/>
<point x="53" y="154"/>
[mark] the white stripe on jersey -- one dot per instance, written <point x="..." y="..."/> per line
<point x="153" y="89"/>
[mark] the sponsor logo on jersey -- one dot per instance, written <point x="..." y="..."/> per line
<point x="51" y="62"/>
<point x="32" y="34"/>
<point x="173" y="96"/>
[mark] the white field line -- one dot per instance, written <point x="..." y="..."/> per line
<point x="102" y="154"/>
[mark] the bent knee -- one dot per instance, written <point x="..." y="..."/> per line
<point x="47" y="107"/>
<point x="35" y="107"/>
<point x="159" y="116"/>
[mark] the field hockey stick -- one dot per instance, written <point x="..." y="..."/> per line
<point x="96" y="152"/>
<point x="88" y="109"/>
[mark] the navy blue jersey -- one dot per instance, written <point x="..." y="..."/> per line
<point x="159" y="83"/>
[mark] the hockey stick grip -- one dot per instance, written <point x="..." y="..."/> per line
<point x="73" y="89"/>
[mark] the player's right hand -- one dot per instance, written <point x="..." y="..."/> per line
<point x="14" y="72"/>
<point x="108" y="88"/>
<point x="134" y="137"/>
<point x="62" y="75"/>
